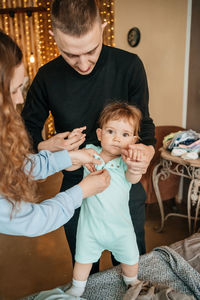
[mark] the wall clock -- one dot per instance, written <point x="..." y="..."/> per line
<point x="133" y="37"/>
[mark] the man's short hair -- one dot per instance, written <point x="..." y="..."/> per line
<point x="74" y="17"/>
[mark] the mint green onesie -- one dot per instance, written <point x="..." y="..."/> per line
<point x="104" y="221"/>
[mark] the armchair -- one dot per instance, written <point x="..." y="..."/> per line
<point x="169" y="187"/>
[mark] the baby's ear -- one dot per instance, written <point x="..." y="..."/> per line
<point x="99" y="133"/>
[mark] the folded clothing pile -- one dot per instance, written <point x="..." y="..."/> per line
<point x="183" y="143"/>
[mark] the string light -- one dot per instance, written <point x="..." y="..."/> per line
<point x="16" y="26"/>
<point x="37" y="38"/>
<point x="32" y="58"/>
<point x="5" y="19"/>
<point x="107" y="14"/>
<point x="50" y="125"/>
<point x="43" y="45"/>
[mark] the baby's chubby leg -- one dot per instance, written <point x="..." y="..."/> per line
<point x="80" y="276"/>
<point x="129" y="273"/>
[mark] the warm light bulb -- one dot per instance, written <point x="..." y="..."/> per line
<point x="32" y="58"/>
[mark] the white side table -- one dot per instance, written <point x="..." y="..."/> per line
<point x="184" y="168"/>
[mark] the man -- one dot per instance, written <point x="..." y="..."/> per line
<point x="77" y="85"/>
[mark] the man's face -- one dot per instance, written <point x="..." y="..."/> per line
<point x="81" y="53"/>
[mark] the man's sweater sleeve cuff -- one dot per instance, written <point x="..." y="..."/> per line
<point x="149" y="142"/>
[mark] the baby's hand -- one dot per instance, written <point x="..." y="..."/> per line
<point x="90" y="167"/>
<point x="78" y="132"/>
<point x="135" y="155"/>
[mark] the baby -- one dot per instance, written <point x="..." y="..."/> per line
<point x="105" y="222"/>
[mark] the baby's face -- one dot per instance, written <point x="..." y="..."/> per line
<point x="115" y="135"/>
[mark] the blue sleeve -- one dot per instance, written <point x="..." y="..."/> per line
<point x="47" y="163"/>
<point x="34" y="219"/>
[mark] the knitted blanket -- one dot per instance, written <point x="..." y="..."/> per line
<point x="161" y="266"/>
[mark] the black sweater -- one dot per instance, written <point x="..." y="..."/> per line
<point x="76" y="100"/>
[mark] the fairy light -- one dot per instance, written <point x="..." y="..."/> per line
<point x="16" y="25"/>
<point x="52" y="50"/>
<point x="27" y="38"/>
<point x="41" y="35"/>
<point x="107" y="15"/>
<point x="47" y="49"/>
<point x="37" y="39"/>
<point x="47" y="45"/>
<point x="32" y="58"/>
<point x="50" y="126"/>
<point x="44" y="47"/>
<point x="6" y="24"/>
<point x="5" y="19"/>
<point x="41" y="43"/>
<point x="27" y="35"/>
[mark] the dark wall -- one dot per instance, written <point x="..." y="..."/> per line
<point x="193" y="113"/>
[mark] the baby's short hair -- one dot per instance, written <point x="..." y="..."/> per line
<point x="120" y="110"/>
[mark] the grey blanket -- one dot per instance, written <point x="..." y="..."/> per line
<point x="189" y="249"/>
<point x="164" y="265"/>
<point x="161" y="266"/>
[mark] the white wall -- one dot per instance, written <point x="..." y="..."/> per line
<point x="162" y="49"/>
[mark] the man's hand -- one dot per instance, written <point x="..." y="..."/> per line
<point x="95" y="183"/>
<point x="64" y="141"/>
<point x="138" y="157"/>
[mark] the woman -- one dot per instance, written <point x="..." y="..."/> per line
<point x="19" y="214"/>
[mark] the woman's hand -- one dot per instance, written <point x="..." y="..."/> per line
<point x="64" y="141"/>
<point x="91" y="166"/>
<point x="95" y="183"/>
<point x="84" y="157"/>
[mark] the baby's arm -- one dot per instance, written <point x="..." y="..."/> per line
<point x="130" y="156"/>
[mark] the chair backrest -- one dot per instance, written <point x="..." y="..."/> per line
<point x="160" y="133"/>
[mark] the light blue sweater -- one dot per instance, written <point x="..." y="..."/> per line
<point x="34" y="219"/>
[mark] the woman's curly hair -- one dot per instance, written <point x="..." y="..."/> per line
<point x="15" y="184"/>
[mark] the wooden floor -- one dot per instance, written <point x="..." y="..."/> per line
<point x="29" y="265"/>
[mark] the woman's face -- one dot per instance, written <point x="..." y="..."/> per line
<point x="16" y="85"/>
